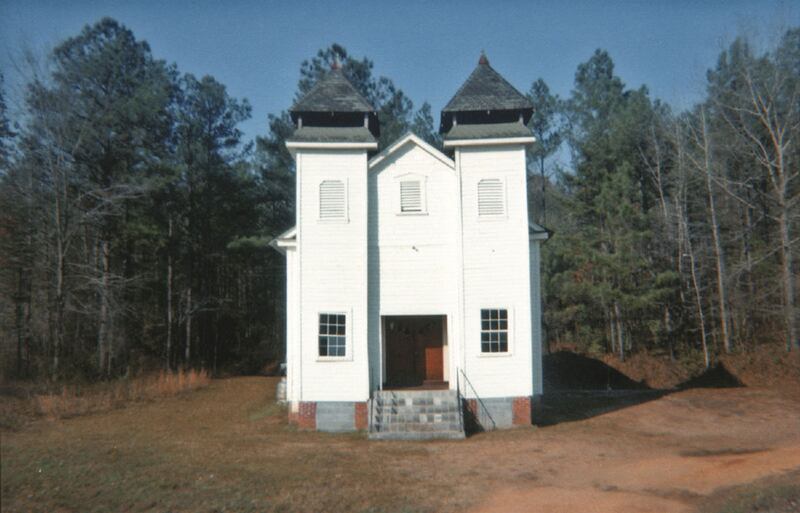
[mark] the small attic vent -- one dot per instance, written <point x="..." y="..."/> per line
<point x="491" y="197"/>
<point x="332" y="203"/>
<point x="410" y="196"/>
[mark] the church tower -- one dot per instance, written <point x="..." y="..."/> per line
<point x="335" y="130"/>
<point x="484" y="125"/>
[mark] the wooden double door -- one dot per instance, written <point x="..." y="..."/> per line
<point x="414" y="350"/>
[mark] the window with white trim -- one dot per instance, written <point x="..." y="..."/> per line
<point x="491" y="197"/>
<point x="494" y="330"/>
<point x="332" y="199"/>
<point x="332" y="334"/>
<point x="411" y="197"/>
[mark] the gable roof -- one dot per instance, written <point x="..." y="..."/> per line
<point x="486" y="89"/>
<point x="410" y="137"/>
<point x="333" y="92"/>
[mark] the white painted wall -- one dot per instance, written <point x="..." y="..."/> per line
<point x="400" y="264"/>
<point x="412" y="258"/>
<point x="536" y="316"/>
<point x="292" y="352"/>
<point x="496" y="270"/>
<point x="332" y="275"/>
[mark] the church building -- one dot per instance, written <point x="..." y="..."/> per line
<point x="413" y="295"/>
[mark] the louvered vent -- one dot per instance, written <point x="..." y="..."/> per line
<point x="410" y="196"/>
<point x="331" y="199"/>
<point x="491" y="197"/>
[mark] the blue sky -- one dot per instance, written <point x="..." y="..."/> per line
<point x="427" y="48"/>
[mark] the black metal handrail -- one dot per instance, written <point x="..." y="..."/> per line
<point x="478" y="399"/>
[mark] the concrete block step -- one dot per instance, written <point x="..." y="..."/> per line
<point x="399" y="418"/>
<point x="416" y="402"/>
<point x="410" y="410"/>
<point x="416" y="415"/>
<point x="424" y="435"/>
<point x="417" y="427"/>
<point x="416" y="395"/>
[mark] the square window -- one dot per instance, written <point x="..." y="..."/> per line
<point x="494" y="330"/>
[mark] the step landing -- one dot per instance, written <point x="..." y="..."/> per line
<point x="415" y="415"/>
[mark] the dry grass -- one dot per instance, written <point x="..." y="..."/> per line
<point x="228" y="448"/>
<point x="74" y="401"/>
<point x="776" y="494"/>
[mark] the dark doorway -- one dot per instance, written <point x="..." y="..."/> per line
<point x="414" y="350"/>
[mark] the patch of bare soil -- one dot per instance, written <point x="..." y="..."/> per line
<point x="665" y="455"/>
<point x="229" y="448"/>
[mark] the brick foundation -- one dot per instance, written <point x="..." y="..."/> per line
<point x="361" y="416"/>
<point x="307" y="415"/>
<point x="491" y="413"/>
<point x="521" y="411"/>
<point x="472" y="406"/>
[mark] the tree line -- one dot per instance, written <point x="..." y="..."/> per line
<point x="135" y="217"/>
<point x="674" y="231"/>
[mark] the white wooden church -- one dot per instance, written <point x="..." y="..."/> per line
<point x="413" y="297"/>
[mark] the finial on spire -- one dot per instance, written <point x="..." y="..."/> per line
<point x="335" y="64"/>
<point x="483" y="60"/>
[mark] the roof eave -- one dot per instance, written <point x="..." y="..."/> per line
<point x="490" y="142"/>
<point x="538" y="232"/>
<point x="293" y="146"/>
<point x="284" y="241"/>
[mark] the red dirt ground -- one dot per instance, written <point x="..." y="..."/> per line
<point x="228" y="448"/>
<point x="662" y="456"/>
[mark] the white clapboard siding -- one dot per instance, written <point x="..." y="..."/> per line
<point x="496" y="266"/>
<point x="414" y="234"/>
<point x="412" y="258"/>
<point x="333" y="270"/>
<point x="332" y="199"/>
<point x="491" y="197"/>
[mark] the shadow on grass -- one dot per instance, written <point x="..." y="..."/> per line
<point x="715" y="377"/>
<point x="573" y="405"/>
<point x="564" y="370"/>
<point x="578" y="387"/>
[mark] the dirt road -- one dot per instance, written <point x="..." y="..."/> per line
<point x="228" y="448"/>
<point x="661" y="456"/>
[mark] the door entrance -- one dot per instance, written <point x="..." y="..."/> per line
<point x="414" y="350"/>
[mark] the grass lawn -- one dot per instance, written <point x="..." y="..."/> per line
<point x="228" y="448"/>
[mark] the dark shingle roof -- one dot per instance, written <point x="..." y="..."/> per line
<point x="488" y="131"/>
<point x="332" y="134"/>
<point x="484" y="90"/>
<point x="332" y="93"/>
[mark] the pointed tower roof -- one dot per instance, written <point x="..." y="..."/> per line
<point x="486" y="90"/>
<point x="333" y="111"/>
<point x="332" y="93"/>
